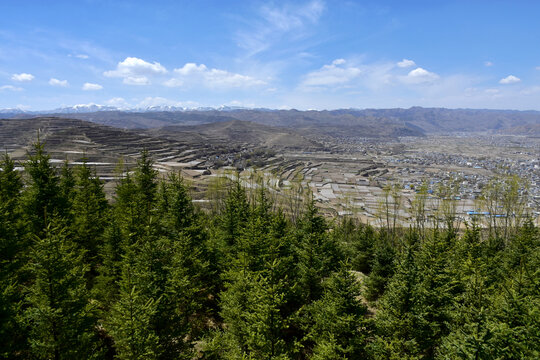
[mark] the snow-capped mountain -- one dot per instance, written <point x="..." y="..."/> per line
<point x="82" y="108"/>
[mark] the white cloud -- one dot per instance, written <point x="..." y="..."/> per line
<point x="136" y="80"/>
<point x="10" y="88"/>
<point x="90" y="87"/>
<point x="118" y="102"/>
<point x="510" y="79"/>
<point x="22" y="77"/>
<point x="79" y="56"/>
<point x="191" y="68"/>
<point x="488" y="63"/>
<point x="337" y="73"/>
<point x="288" y="18"/>
<point x="405" y="63"/>
<point x="160" y="101"/>
<point x="135" y="71"/>
<point x="56" y="82"/>
<point x="277" y="25"/>
<point x="192" y="74"/>
<point x="419" y="76"/>
<point x="174" y="82"/>
<point x="530" y="90"/>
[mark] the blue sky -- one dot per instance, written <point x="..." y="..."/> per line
<point x="317" y="54"/>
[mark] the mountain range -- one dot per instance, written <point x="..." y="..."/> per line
<point x="414" y="121"/>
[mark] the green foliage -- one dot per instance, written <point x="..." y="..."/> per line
<point x="89" y="212"/>
<point x="13" y="244"/>
<point x="236" y="212"/>
<point x="337" y="327"/>
<point x="129" y="322"/>
<point x="12" y="229"/>
<point x="382" y="267"/>
<point x="42" y="199"/>
<point x="149" y="275"/>
<point x="358" y="241"/>
<point x="317" y="254"/>
<point x="59" y="315"/>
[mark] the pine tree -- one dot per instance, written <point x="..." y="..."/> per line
<point x="146" y="185"/>
<point x="130" y="319"/>
<point x="236" y="212"/>
<point x="13" y="246"/>
<point x="396" y="321"/>
<point x="175" y="206"/>
<point x="317" y="253"/>
<point x="109" y="270"/>
<point x="11" y="227"/>
<point x="58" y="312"/>
<point x="358" y="241"/>
<point x="67" y="188"/>
<point x="383" y="266"/>
<point x="253" y="322"/>
<point x="469" y="330"/>
<point x="135" y="204"/>
<point x="337" y="327"/>
<point x="497" y="319"/>
<point x="436" y="290"/>
<point x="43" y="198"/>
<point x="89" y="209"/>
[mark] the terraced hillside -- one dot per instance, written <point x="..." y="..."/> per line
<point x="102" y="146"/>
<point x="239" y="132"/>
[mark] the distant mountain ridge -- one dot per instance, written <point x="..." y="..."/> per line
<point x="415" y="121"/>
<point x="88" y="108"/>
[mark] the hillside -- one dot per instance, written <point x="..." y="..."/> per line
<point x="103" y="146"/>
<point x="397" y="121"/>
<point x="526" y="130"/>
<point x="239" y="132"/>
<point x="138" y="120"/>
<point x="370" y="123"/>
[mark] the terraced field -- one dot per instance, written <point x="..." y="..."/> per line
<point x="103" y="146"/>
<point x="345" y="176"/>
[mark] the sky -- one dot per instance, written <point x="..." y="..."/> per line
<point x="314" y="54"/>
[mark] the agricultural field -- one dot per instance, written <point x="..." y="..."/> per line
<point x="346" y="175"/>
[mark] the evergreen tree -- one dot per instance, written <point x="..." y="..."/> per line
<point x="13" y="243"/>
<point x="175" y="206"/>
<point x="436" y="290"/>
<point x="43" y="198"/>
<point x="12" y="231"/>
<point x="358" y="241"/>
<point x="317" y="253"/>
<point x="251" y="312"/>
<point x="58" y="313"/>
<point x="67" y="187"/>
<point x="383" y="265"/>
<point x="469" y="330"/>
<point x="396" y="322"/>
<point x="337" y="327"/>
<point x="497" y="320"/>
<point x="90" y="210"/>
<point x="130" y="319"/>
<point x="109" y="270"/>
<point x="236" y="212"/>
<point x="146" y="185"/>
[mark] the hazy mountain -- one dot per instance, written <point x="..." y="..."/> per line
<point x="415" y="121"/>
<point x="527" y="130"/>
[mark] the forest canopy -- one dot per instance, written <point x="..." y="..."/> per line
<point x="148" y="275"/>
